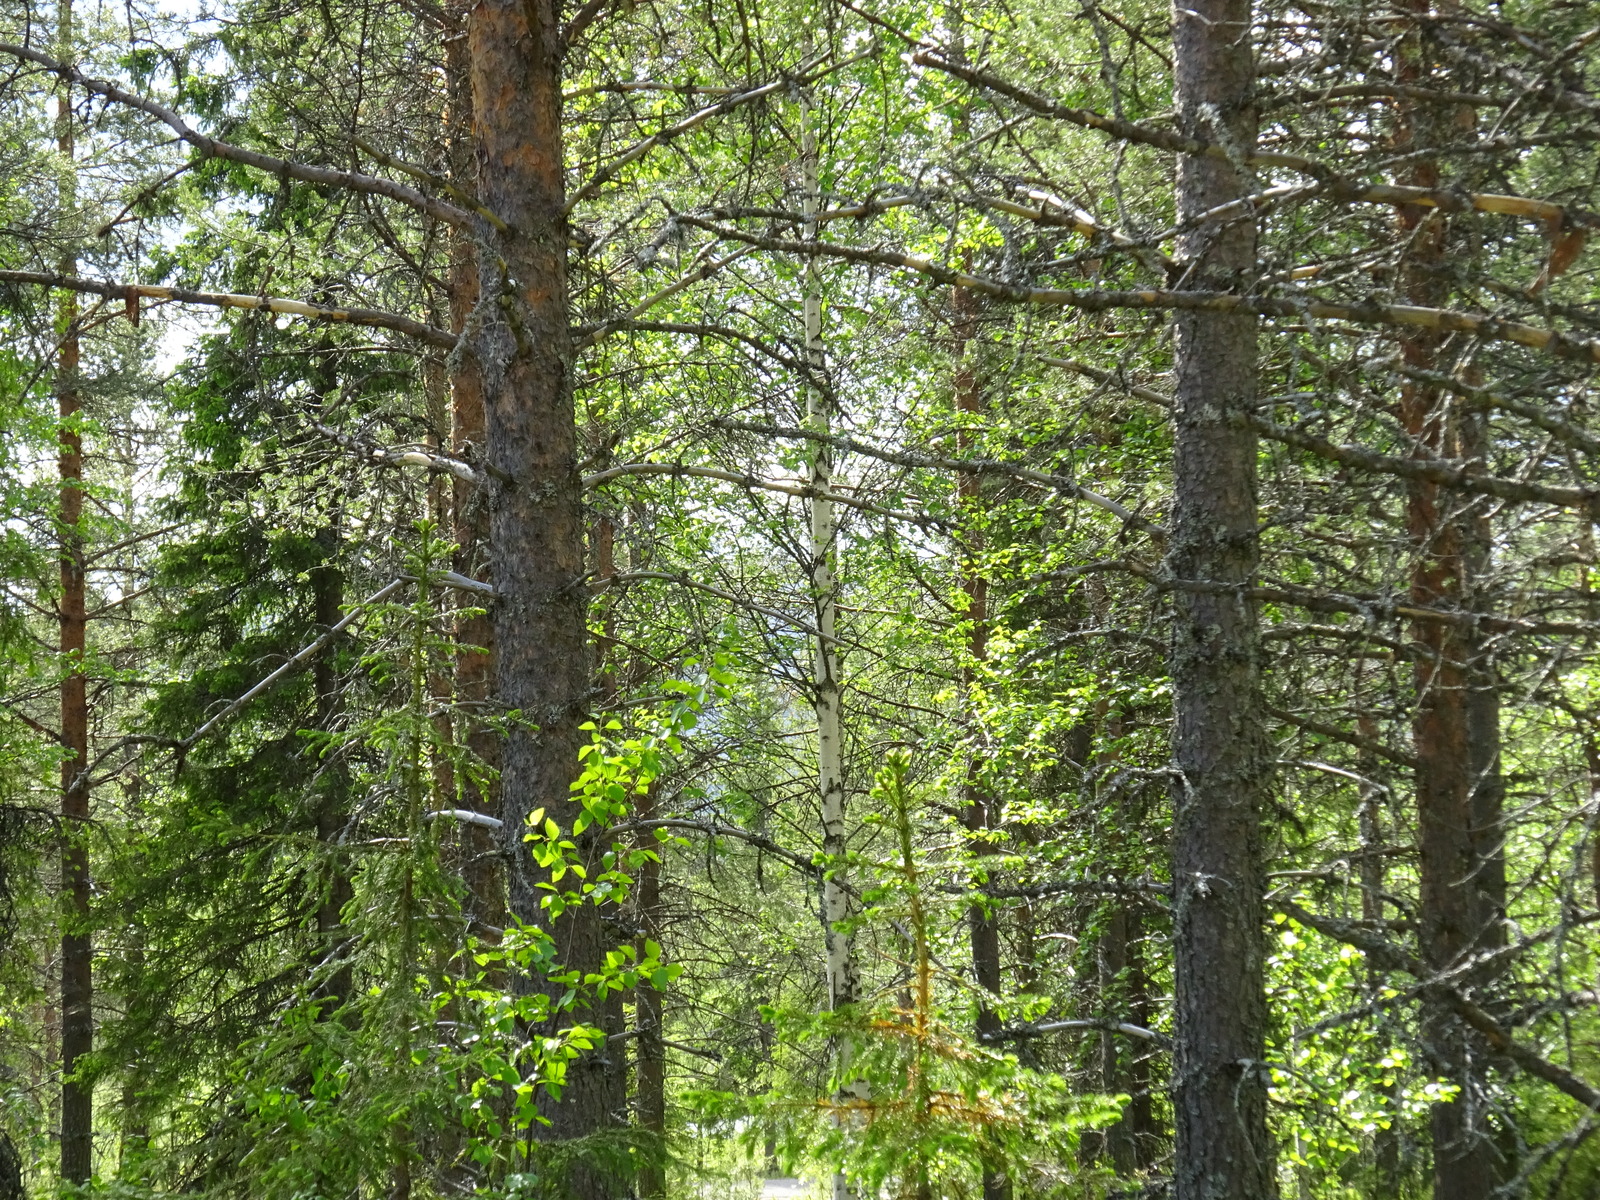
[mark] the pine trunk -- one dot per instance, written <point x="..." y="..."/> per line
<point x="536" y="542"/>
<point x="481" y="866"/>
<point x="1450" y="712"/>
<point x="77" y="979"/>
<point x="1222" y="1146"/>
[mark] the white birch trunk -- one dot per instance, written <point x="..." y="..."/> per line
<point x="844" y="985"/>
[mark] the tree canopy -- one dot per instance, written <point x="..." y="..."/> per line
<point x="619" y="599"/>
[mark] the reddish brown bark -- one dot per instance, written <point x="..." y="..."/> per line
<point x="77" y="982"/>
<point x="77" y="979"/>
<point x="542" y="661"/>
<point x="481" y="866"/>
<point x="1455" y="727"/>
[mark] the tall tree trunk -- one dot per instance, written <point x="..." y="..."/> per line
<point x="77" y="979"/>
<point x="481" y="864"/>
<point x="844" y="983"/>
<point x="1223" y="1149"/>
<point x="1442" y="730"/>
<point x="536" y="523"/>
<point x="978" y="807"/>
<point x="1450" y="712"/>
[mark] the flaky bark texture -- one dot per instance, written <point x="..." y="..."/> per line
<point x="1220" y="1104"/>
<point x="535" y="527"/>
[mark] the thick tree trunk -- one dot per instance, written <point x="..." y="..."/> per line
<point x="1223" y="1149"/>
<point x="536" y="523"/>
<point x="77" y="979"/>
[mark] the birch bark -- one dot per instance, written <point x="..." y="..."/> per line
<point x="844" y="984"/>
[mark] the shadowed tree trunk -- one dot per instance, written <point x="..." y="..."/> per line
<point x="1385" y="1142"/>
<point x="1125" y="1065"/>
<point x="978" y="807"/>
<point x="327" y="586"/>
<point x="1220" y="1103"/>
<point x="481" y="863"/>
<point x="77" y="980"/>
<point x="536" y="542"/>
<point x="649" y="1013"/>
<point x="1455" y="770"/>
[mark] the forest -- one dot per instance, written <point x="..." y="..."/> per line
<point x="850" y="599"/>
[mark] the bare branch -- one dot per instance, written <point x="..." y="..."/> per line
<point x="1369" y="312"/>
<point x="679" y="470"/>
<point x="372" y="318"/>
<point x="965" y="466"/>
<point x="351" y="181"/>
<point x="1391" y="957"/>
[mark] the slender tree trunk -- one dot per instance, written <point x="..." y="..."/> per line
<point x="1486" y="808"/>
<point x="536" y="524"/>
<point x="133" y="1146"/>
<point x="978" y="807"/>
<point x="333" y="812"/>
<point x="481" y="864"/>
<point x="1124" y="991"/>
<point x="649" y="1013"/>
<point x="1124" y="984"/>
<point x="77" y="980"/>
<point x="1385" y="1142"/>
<point x="650" y="1080"/>
<point x="1223" y="1149"/>
<point x="1447" y="718"/>
<point x="844" y="984"/>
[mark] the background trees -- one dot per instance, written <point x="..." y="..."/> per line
<point x="1141" y="456"/>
